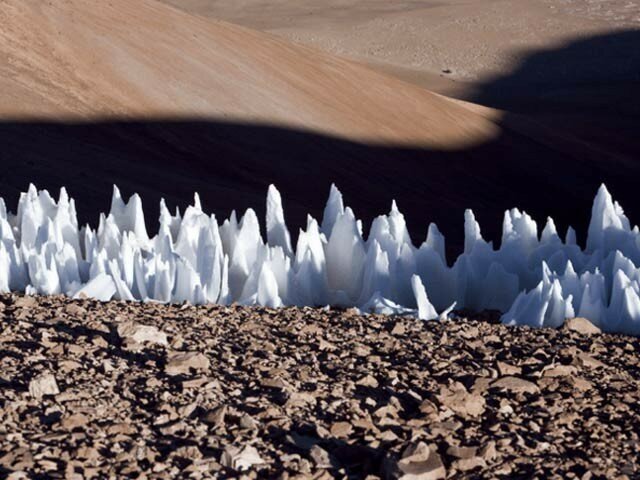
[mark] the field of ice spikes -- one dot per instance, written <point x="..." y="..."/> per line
<point x="536" y="280"/>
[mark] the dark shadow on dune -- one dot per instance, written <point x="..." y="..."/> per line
<point x="231" y="164"/>
<point x="588" y="88"/>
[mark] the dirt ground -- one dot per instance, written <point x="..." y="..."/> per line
<point x="92" y="390"/>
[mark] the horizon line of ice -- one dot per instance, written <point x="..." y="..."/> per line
<point x="538" y="281"/>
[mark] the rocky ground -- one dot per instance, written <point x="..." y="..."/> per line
<point x="90" y="390"/>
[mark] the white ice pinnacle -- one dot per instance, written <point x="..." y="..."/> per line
<point x="536" y="280"/>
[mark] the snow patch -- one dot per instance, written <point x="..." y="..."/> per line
<point x="538" y="280"/>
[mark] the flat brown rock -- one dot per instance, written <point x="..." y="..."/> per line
<point x="320" y="457"/>
<point x="516" y="385"/>
<point x="466" y="464"/>
<point x="581" y="325"/>
<point x="179" y="363"/>
<point x="44" y="384"/>
<point x="462" y="452"/>
<point x="341" y="429"/>
<point x="559" y="371"/>
<point x="506" y="369"/>
<point x="142" y="333"/>
<point x="462" y="402"/>
<point x="73" y="421"/>
<point x="419" y="462"/>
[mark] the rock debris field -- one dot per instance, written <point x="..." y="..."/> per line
<point x="99" y="390"/>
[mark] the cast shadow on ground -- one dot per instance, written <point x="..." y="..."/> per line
<point x="588" y="88"/>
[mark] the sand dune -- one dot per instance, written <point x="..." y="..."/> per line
<point x="472" y="40"/>
<point x="87" y="59"/>
<point x="572" y="65"/>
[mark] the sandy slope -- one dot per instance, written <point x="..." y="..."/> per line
<point x="472" y="40"/>
<point x="120" y="58"/>
<point x="573" y="65"/>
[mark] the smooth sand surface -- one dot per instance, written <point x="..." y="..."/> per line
<point x="84" y="59"/>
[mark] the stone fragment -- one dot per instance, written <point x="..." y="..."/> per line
<point x="189" y="452"/>
<point x="216" y="416"/>
<point x="276" y="383"/>
<point x="420" y="462"/>
<point x="67" y="366"/>
<point x="121" y="428"/>
<point x="507" y="369"/>
<point x="182" y="363"/>
<point x="368" y="381"/>
<point x="73" y="421"/>
<point x="106" y="366"/>
<point x="488" y="451"/>
<point x="44" y="384"/>
<point x="387" y="436"/>
<point x="341" y="429"/>
<point x="173" y="428"/>
<point x="240" y="459"/>
<point x="580" y="383"/>
<point x="398" y="329"/>
<point x="587" y="361"/>
<point x="559" y="371"/>
<point x="142" y="333"/>
<point x="466" y="464"/>
<point x="247" y="422"/>
<point x="462" y="452"/>
<point x="428" y="409"/>
<point x="581" y="325"/>
<point x="300" y="399"/>
<point x="457" y="398"/>
<point x="516" y="385"/>
<point x="26" y="301"/>
<point x="196" y="382"/>
<point x="320" y="457"/>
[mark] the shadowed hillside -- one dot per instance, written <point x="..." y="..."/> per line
<point x="588" y="88"/>
<point x="231" y="165"/>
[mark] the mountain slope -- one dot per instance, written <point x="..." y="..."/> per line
<point x="119" y="58"/>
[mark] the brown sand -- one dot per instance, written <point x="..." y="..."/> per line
<point x="85" y="390"/>
<point x="82" y="59"/>
<point x="571" y="65"/>
<point x="472" y="40"/>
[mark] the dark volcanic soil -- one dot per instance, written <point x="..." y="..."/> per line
<point x="86" y="392"/>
